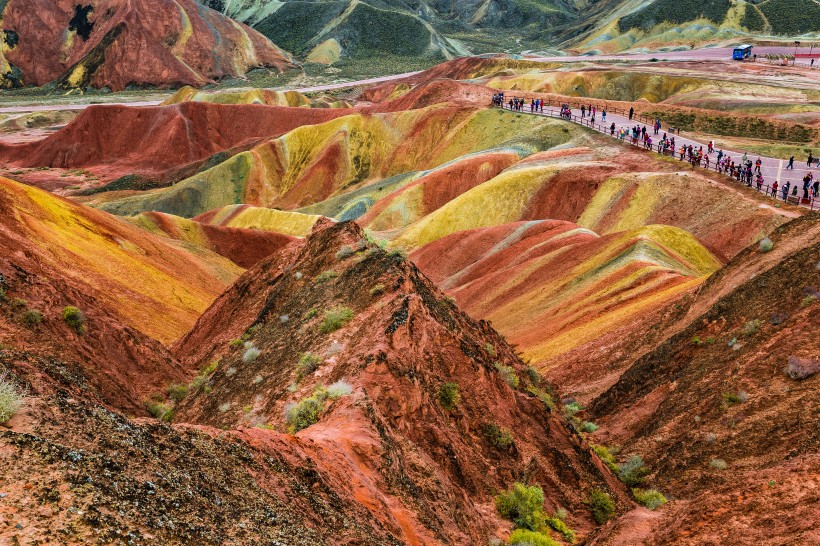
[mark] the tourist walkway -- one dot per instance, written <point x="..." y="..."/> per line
<point x="772" y="169"/>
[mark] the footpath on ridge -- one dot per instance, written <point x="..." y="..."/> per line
<point x="772" y="169"/>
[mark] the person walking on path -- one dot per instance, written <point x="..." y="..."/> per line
<point x="791" y="163"/>
<point x="631" y="113"/>
<point x="809" y="162"/>
<point x="758" y="164"/>
<point x="611" y="127"/>
<point x="785" y="191"/>
<point x="603" y="116"/>
<point x="774" y="189"/>
<point x="583" y="111"/>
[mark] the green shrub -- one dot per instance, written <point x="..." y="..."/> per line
<point x="766" y="245"/>
<point x="808" y="300"/>
<point x="2" y="294"/>
<point x="177" y="392"/>
<point x="311" y="314"/>
<point x="499" y="438"/>
<point x="449" y="396"/>
<point x="718" y="464"/>
<point x="731" y="398"/>
<point x="19" y="303"/>
<point x="572" y="408"/>
<point x="325" y="276"/>
<point x="335" y="319"/>
<point x="11" y="399"/>
<point x="751" y="327"/>
<point x="306" y="412"/>
<point x="523" y="505"/>
<point x="308" y="363"/>
<point x="633" y="471"/>
<point x="234" y="343"/>
<point x="250" y="355"/>
<point x="607" y="457"/>
<point x="397" y="254"/>
<point x="508" y="374"/>
<point x="345" y="252"/>
<point x="74" y="318"/>
<point x="601" y="505"/>
<point x="159" y="410"/>
<point x="338" y="389"/>
<point x="558" y="524"/>
<point x="588" y="427"/>
<point x="752" y="19"/>
<point x="490" y="348"/>
<point x="651" y="498"/>
<point x="31" y="317"/>
<point x="534" y="376"/>
<point x="791" y="17"/>
<point x="376" y="290"/>
<point x="524" y="537"/>
<point x="674" y="11"/>
<point x="542" y="395"/>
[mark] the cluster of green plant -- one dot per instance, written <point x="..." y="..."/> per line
<point x="160" y="410"/>
<point x="74" y="318"/>
<point x="2" y="293"/>
<point x="31" y="317"/>
<point x="345" y="252"/>
<point x="606" y="456"/>
<point x="335" y="319"/>
<point x="651" y="498"/>
<point x="791" y="17"/>
<point x="718" y="464"/>
<point x="490" y="348"/>
<point x="245" y="337"/>
<point x="307" y="411"/>
<point x="11" y="399"/>
<point x="203" y="376"/>
<point x="751" y="327"/>
<point x="766" y="245"/>
<point x="508" y="374"/>
<point x="325" y="276"/>
<point x="397" y="254"/>
<point x="633" y="471"/>
<point x="250" y="354"/>
<point x="177" y="391"/>
<point x="601" y="505"/>
<point x="308" y="363"/>
<point x="524" y="506"/>
<point x="311" y="313"/>
<point x="588" y="427"/>
<point x="542" y="395"/>
<point x="449" y="395"/>
<point x="734" y="125"/>
<point x="572" y="408"/>
<point x="674" y="11"/>
<point x="498" y="437"/>
<point x="808" y="300"/>
<point x="377" y="289"/>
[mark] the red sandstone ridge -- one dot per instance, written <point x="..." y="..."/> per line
<point x="117" y="43"/>
<point x="426" y="474"/>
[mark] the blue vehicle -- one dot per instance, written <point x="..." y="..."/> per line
<point x="742" y="52"/>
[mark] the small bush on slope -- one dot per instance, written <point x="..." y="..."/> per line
<point x="74" y="318"/>
<point x="335" y="319"/>
<point x="601" y="505"/>
<point x="523" y="505"/>
<point x="523" y="537"/>
<point x="448" y="396"/>
<point x="499" y="438"/>
<point x="508" y="374"/>
<point x="651" y="498"/>
<point x="10" y="398"/>
<point x="308" y="363"/>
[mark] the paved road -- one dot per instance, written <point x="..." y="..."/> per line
<point x="772" y="169"/>
<point x="314" y="89"/>
<point x="704" y="54"/>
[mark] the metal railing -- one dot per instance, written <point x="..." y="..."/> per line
<point x="810" y="202"/>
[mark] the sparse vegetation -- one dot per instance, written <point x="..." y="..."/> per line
<point x="31" y="317"/>
<point x="808" y="300"/>
<point x="339" y="389"/>
<point x="558" y="524"/>
<point x="335" y="319"/>
<point x="306" y="412"/>
<point x="606" y="456"/>
<point x="766" y="245"/>
<point x="325" y="276"/>
<point x="377" y="290"/>
<point x="651" y="498"/>
<point x="534" y="376"/>
<point x="308" y="363"/>
<point x="311" y="314"/>
<point x="500" y="438"/>
<point x="74" y="318"/>
<point x="572" y="408"/>
<point x="633" y="471"/>
<point x="11" y="399"/>
<point x="250" y="355"/>
<point x="397" y="254"/>
<point x="523" y="505"/>
<point x="588" y="427"/>
<point x="718" y="464"/>
<point x="601" y="505"/>
<point x="508" y="374"/>
<point x="160" y="410"/>
<point x="223" y="408"/>
<point x="490" y="348"/>
<point x="203" y="375"/>
<point x="524" y="537"/>
<point x="345" y="252"/>
<point x="449" y="395"/>
<point x="542" y="395"/>
<point x="177" y="391"/>
<point x="751" y="327"/>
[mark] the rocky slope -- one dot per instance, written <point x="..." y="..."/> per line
<point x="725" y="412"/>
<point x="119" y="43"/>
